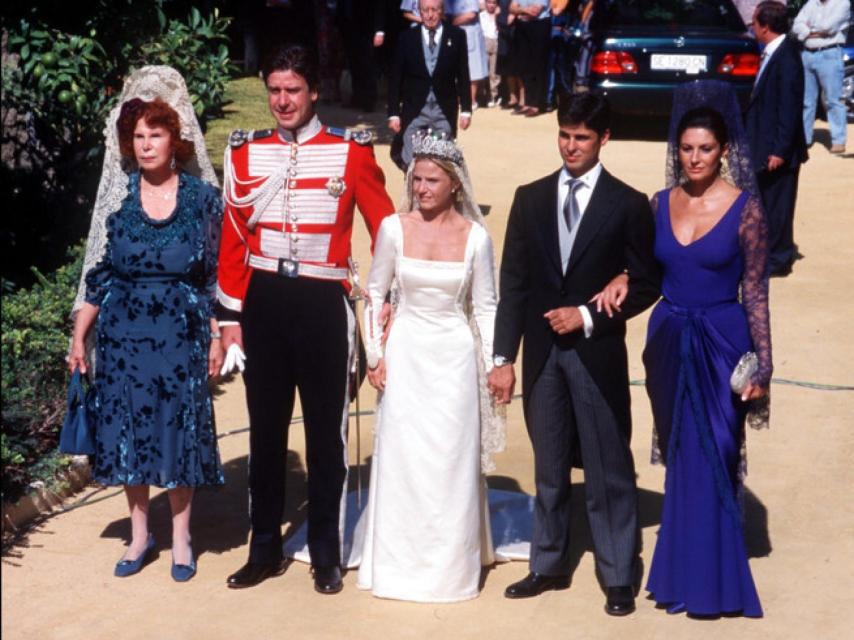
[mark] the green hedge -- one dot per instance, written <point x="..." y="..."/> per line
<point x="36" y="327"/>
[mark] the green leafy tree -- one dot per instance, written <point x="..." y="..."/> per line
<point x="62" y="73"/>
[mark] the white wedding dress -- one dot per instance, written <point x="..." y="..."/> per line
<point x="425" y="532"/>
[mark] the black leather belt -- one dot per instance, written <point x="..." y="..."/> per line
<point x="830" y="46"/>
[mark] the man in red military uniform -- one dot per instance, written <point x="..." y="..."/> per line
<point x="290" y="193"/>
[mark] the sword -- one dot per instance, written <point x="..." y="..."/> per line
<point x="357" y="294"/>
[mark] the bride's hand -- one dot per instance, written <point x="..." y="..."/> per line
<point x="613" y="295"/>
<point x="376" y="376"/>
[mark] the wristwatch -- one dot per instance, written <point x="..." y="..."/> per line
<point x="500" y="361"/>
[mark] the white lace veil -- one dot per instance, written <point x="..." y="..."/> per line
<point x="493" y="418"/>
<point x="147" y="84"/>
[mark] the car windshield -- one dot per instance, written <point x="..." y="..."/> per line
<point x="670" y="13"/>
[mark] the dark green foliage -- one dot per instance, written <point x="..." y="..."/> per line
<point x="198" y="49"/>
<point x="35" y="324"/>
<point x="64" y="74"/>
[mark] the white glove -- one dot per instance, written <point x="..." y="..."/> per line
<point x="234" y="358"/>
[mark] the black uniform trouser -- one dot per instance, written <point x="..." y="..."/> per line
<point x="362" y="63"/>
<point x="296" y="336"/>
<point x="534" y="40"/>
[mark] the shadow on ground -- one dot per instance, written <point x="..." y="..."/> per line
<point x="221" y="518"/>
<point x="221" y="515"/>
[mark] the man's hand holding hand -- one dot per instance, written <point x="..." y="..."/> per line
<point x="501" y="382"/>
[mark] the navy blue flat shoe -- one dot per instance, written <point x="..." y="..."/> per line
<point x="125" y="568"/>
<point x="183" y="572"/>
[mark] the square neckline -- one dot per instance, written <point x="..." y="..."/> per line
<point x="427" y="260"/>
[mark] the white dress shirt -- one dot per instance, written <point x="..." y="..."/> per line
<point x="767" y="52"/>
<point x="566" y="238"/>
<point x="425" y="35"/>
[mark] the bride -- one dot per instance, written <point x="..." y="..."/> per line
<point x="425" y="532"/>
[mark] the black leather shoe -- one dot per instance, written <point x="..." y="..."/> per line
<point x="620" y="602"/>
<point x="534" y="584"/>
<point x="327" y="580"/>
<point x="253" y="573"/>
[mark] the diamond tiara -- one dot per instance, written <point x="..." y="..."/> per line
<point x="435" y="144"/>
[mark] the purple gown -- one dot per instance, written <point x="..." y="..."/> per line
<point x="696" y="335"/>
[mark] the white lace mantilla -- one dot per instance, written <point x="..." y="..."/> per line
<point x="147" y="83"/>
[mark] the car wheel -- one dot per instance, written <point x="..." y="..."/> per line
<point x="848" y="91"/>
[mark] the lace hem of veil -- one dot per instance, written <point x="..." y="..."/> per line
<point x="146" y="83"/>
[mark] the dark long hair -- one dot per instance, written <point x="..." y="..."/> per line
<point x="704" y="118"/>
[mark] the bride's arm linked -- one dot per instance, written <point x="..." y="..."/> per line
<point x="484" y="296"/>
<point x="753" y="237"/>
<point x="379" y="282"/>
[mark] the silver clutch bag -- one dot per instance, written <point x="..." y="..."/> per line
<point x="743" y="372"/>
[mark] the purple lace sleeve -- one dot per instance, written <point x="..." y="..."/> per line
<point x="753" y="237"/>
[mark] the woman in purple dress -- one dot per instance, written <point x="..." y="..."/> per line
<point x="711" y="240"/>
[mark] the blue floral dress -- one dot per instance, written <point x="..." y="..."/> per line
<point x="155" y="288"/>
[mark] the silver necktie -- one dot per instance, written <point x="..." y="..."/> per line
<point x="571" y="212"/>
<point x="432" y="44"/>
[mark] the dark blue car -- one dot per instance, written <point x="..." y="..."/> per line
<point x="645" y="48"/>
<point x="848" y="80"/>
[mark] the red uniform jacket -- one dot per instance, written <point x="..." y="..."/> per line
<point x="294" y="199"/>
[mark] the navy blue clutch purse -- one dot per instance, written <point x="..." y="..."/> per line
<point x="78" y="433"/>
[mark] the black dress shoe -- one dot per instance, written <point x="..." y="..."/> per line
<point x="620" y="602"/>
<point x="534" y="584"/>
<point x="327" y="580"/>
<point x="253" y="573"/>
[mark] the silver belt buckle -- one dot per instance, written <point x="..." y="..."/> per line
<point x="288" y="268"/>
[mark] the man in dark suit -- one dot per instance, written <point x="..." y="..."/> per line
<point x="360" y="23"/>
<point x="429" y="81"/>
<point x="775" y="130"/>
<point x="568" y="235"/>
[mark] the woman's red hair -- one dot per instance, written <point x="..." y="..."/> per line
<point x="156" y="114"/>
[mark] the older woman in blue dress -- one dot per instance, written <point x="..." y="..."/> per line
<point x="148" y="283"/>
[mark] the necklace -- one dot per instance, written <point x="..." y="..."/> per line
<point x="161" y="194"/>
<point x="166" y="195"/>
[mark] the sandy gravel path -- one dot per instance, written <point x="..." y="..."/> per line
<point x="800" y="514"/>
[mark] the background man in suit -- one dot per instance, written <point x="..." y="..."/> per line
<point x="775" y="130"/>
<point x="359" y="22"/>
<point x="429" y="81"/>
<point x="567" y="236"/>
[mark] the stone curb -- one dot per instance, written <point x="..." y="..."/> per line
<point x="43" y="500"/>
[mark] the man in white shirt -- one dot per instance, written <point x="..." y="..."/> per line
<point x="775" y="130"/>
<point x="821" y="26"/>
<point x="429" y="85"/>
<point x="567" y="236"/>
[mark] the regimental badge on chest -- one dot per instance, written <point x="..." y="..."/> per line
<point x="336" y="186"/>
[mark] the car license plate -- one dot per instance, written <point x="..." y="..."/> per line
<point x="678" y="62"/>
